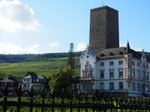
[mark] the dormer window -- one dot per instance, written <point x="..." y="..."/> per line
<point x="102" y="55"/>
<point x="120" y="53"/>
<point x="111" y="54"/>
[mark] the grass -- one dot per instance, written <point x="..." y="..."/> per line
<point x="45" y="68"/>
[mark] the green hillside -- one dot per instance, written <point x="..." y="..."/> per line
<point x="45" y="68"/>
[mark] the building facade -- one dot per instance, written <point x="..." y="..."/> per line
<point x="106" y="67"/>
<point x="11" y="83"/>
<point x="37" y="83"/>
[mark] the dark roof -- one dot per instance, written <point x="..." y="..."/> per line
<point x="31" y="76"/>
<point x="13" y="78"/>
<point x="114" y="52"/>
<point x="7" y="80"/>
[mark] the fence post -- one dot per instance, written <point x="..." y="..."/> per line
<point x="18" y="106"/>
<point x="43" y="95"/>
<point x="86" y="100"/>
<point x="71" y="95"/>
<point x="93" y="100"/>
<point x="19" y="94"/>
<point x="62" y="100"/>
<point x="5" y="103"/>
<point x="5" y="93"/>
<point x="42" y="105"/>
<point x="53" y="99"/>
<point x="79" y="98"/>
<point x="31" y="99"/>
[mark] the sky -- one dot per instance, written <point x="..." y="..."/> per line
<point x="48" y="26"/>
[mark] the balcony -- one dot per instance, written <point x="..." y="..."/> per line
<point x="86" y="78"/>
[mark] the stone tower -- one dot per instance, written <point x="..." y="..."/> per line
<point x="104" y="29"/>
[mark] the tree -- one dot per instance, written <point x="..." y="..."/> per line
<point x="71" y="60"/>
<point x="62" y="80"/>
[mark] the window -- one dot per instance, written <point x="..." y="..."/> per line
<point x="144" y="75"/>
<point x="102" y="74"/>
<point x="102" y="86"/>
<point x="11" y="84"/>
<point x="147" y="88"/>
<point x="133" y="74"/>
<point x="120" y="73"/>
<point x="111" y="74"/>
<point x="120" y="62"/>
<point x="133" y="63"/>
<point x="111" y="63"/>
<point x="138" y="64"/>
<point x="138" y="74"/>
<point x="101" y="64"/>
<point x="133" y="86"/>
<point x="83" y="73"/>
<point x="148" y="76"/>
<point x="27" y="80"/>
<point x="147" y="66"/>
<point x="138" y="87"/>
<point x="111" y="86"/>
<point x="120" y="85"/>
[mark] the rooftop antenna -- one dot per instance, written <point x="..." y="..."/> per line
<point x="102" y="3"/>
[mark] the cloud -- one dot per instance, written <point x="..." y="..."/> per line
<point x="81" y="46"/>
<point x="11" y="48"/>
<point x="55" y="44"/>
<point x="15" y="16"/>
<point x="122" y="45"/>
<point x="33" y="49"/>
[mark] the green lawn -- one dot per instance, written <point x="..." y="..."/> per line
<point x="45" y="68"/>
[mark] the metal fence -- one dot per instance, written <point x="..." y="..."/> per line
<point x="73" y="102"/>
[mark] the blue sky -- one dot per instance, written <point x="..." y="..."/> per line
<point x="45" y="26"/>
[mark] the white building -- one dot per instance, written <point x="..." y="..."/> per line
<point x="118" y="70"/>
<point x="106" y="67"/>
<point x="38" y="83"/>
